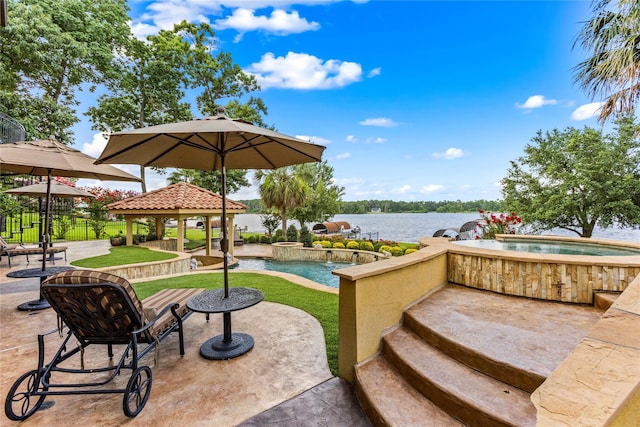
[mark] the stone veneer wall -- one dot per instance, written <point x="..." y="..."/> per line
<point x="164" y="244"/>
<point x="287" y="251"/>
<point x="180" y="264"/>
<point x="567" y="281"/>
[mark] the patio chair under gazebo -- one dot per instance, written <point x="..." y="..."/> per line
<point x="179" y="201"/>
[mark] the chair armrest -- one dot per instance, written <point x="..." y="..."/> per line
<point x="172" y="306"/>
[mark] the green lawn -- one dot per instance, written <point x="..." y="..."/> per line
<point x="121" y="255"/>
<point x="321" y="305"/>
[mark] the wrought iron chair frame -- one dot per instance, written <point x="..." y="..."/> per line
<point x="136" y="393"/>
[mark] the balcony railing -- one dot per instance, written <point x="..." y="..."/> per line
<point x="10" y="129"/>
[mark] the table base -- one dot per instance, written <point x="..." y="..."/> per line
<point x="217" y="349"/>
<point x="39" y="304"/>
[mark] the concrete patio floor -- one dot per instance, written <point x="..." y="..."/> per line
<point x="283" y="380"/>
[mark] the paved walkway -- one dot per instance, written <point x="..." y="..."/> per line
<point x="283" y="381"/>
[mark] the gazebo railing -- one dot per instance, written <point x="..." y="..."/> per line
<point x="10" y="129"/>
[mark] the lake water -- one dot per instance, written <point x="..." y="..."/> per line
<point x="409" y="227"/>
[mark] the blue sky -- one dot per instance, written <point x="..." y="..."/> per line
<point x="414" y="100"/>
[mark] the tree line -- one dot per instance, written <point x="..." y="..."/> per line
<point x="391" y="206"/>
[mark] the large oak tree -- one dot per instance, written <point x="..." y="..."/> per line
<point x="52" y="49"/>
<point x="577" y="179"/>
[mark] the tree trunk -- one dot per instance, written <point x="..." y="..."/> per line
<point x="284" y="225"/>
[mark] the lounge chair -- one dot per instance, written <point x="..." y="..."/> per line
<point x="103" y="309"/>
<point x="13" y="249"/>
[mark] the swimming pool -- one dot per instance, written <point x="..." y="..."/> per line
<point x="557" y="247"/>
<point x="319" y="272"/>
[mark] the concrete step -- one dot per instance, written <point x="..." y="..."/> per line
<point x="604" y="300"/>
<point x="389" y="400"/>
<point x="469" y="395"/>
<point x="516" y="340"/>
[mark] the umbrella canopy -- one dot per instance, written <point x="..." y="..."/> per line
<point x="208" y="144"/>
<point x="50" y="158"/>
<point x="213" y="143"/>
<point x="58" y="189"/>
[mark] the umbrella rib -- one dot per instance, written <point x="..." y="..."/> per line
<point x="249" y="145"/>
<point x="144" y="141"/>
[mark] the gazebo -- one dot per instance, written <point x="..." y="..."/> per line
<point x="179" y="201"/>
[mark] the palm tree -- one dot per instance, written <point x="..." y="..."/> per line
<point x="283" y="190"/>
<point x="613" y="70"/>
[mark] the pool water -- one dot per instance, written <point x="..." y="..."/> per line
<point x="317" y="271"/>
<point x="562" y="248"/>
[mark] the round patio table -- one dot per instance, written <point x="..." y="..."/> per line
<point x="228" y="345"/>
<point x="42" y="303"/>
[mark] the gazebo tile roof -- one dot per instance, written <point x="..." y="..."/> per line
<point x="176" y="197"/>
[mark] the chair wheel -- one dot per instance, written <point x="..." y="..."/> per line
<point x="137" y="392"/>
<point x="25" y="397"/>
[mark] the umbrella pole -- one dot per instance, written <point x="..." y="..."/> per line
<point x="45" y="236"/>
<point x="224" y="244"/>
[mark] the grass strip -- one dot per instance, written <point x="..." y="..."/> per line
<point x="321" y="305"/>
<point x="122" y="255"/>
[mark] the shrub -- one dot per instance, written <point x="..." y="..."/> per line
<point x="396" y="251"/>
<point x="305" y="237"/>
<point x="292" y="233"/>
<point x="265" y="239"/>
<point x="338" y="245"/>
<point x="352" y="244"/>
<point x="252" y="239"/>
<point x="325" y="243"/>
<point x="366" y="246"/>
<point x="383" y="248"/>
<point x="410" y="251"/>
<point x="63" y="226"/>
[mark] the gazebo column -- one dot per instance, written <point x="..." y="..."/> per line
<point x="129" y="224"/>
<point x="207" y="234"/>
<point x="180" y="234"/>
<point x="230" y="232"/>
<point x="159" y="230"/>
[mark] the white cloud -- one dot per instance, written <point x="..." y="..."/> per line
<point x="451" y="153"/>
<point x="314" y="139"/>
<point x="536" y="101"/>
<point x="380" y="122"/>
<point x="377" y="140"/>
<point x="280" y="22"/>
<point x="404" y="189"/>
<point x="351" y="138"/>
<point x="586" y="111"/>
<point x="374" y="72"/>
<point x="141" y="30"/>
<point x="343" y="156"/>
<point x="432" y="188"/>
<point x="303" y="71"/>
<point x="165" y="13"/>
<point x="96" y="146"/>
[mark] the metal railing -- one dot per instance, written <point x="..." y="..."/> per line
<point x="10" y="129"/>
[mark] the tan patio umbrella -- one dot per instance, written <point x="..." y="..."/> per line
<point x="50" y="158"/>
<point x="58" y="189"/>
<point x="213" y="143"/>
